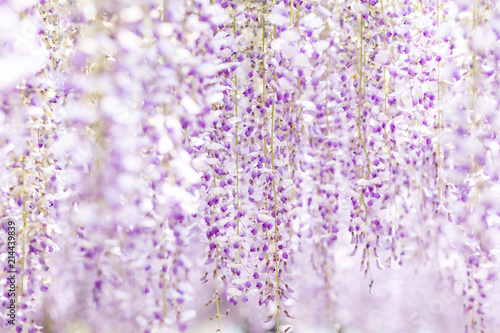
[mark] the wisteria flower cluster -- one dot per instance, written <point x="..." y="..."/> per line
<point x="272" y="166"/>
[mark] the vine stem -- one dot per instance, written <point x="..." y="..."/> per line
<point x="275" y="223"/>
<point x="237" y="154"/>
<point x="275" y="201"/>
<point x="385" y="86"/>
<point x="264" y="88"/>
<point x="59" y="21"/>
<point x="216" y="264"/>
<point x="329" y="156"/>
<point x="440" y="167"/>
<point x="360" y="97"/>
<point x="23" y="258"/>
<point x="217" y="283"/>
<point x="263" y="54"/>
<point x="217" y="246"/>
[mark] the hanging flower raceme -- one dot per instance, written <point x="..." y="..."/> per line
<point x="27" y="134"/>
<point x="266" y="164"/>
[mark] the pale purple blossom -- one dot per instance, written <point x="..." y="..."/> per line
<point x="274" y="165"/>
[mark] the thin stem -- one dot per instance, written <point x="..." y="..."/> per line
<point x="440" y="169"/>
<point x="59" y="22"/>
<point x="275" y="201"/>
<point x="327" y="266"/>
<point x="298" y="17"/>
<point x="264" y="84"/>
<point x="263" y="55"/>
<point x="440" y="121"/>
<point x="275" y="223"/>
<point x="39" y="150"/>
<point x="474" y="59"/>
<point x="217" y="283"/>
<point x="360" y="96"/>
<point x="237" y="157"/>
<point x="385" y="85"/>
<point x="216" y="261"/>
<point x="237" y="154"/>
<point x="272" y="160"/>
<point x="327" y="111"/>
<point x="23" y="258"/>
<point x="164" y="298"/>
